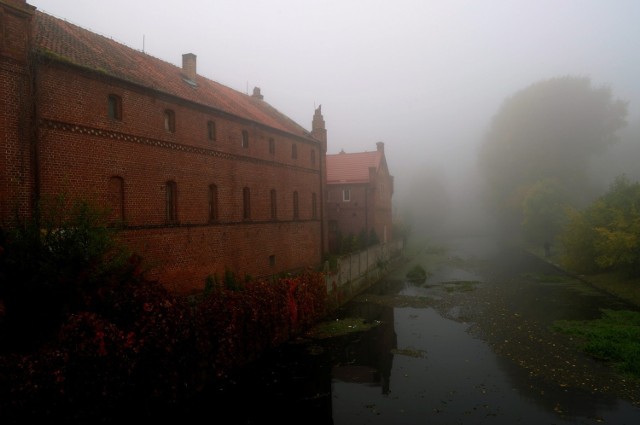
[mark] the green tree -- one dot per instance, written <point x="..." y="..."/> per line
<point x="606" y="236"/>
<point x="543" y="210"/>
<point x="549" y="130"/>
<point x="50" y="265"/>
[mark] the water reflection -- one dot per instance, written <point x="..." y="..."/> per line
<point x="427" y="362"/>
<point x="455" y="378"/>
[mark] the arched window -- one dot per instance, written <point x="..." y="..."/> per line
<point x="170" y="120"/>
<point x="171" y="202"/>
<point x="213" y="202"/>
<point x="115" y="194"/>
<point x="314" y="206"/>
<point x="245" y="139"/>
<point x="272" y="146"/>
<point x="313" y="157"/>
<point x="274" y="205"/>
<point x="114" y="107"/>
<point x="246" y="203"/>
<point x="296" y="211"/>
<point x="211" y="130"/>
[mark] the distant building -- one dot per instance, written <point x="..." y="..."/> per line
<point x="203" y="178"/>
<point x="359" y="189"/>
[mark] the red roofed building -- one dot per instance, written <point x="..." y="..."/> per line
<point x="359" y="189"/>
<point x="203" y="177"/>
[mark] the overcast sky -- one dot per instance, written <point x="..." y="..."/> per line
<point x="422" y="76"/>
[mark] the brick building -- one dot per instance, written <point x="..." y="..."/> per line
<point x="359" y="192"/>
<point x="203" y="177"/>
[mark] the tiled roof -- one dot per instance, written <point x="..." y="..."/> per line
<point x="351" y="167"/>
<point x="60" y="39"/>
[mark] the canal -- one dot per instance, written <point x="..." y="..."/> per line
<point x="471" y="344"/>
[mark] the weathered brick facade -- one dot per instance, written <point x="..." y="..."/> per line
<point x="360" y="190"/>
<point x="203" y="177"/>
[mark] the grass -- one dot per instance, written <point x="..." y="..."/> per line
<point x="460" y="285"/>
<point x="615" y="338"/>
<point x="619" y="285"/>
<point x="549" y="278"/>
<point x="338" y="327"/>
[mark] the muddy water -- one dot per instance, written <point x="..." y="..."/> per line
<point x="470" y="345"/>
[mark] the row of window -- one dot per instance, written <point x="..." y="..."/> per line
<point x="114" y="111"/>
<point x="116" y="199"/>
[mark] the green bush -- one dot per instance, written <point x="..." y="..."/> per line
<point x="52" y="265"/>
<point x="417" y="274"/>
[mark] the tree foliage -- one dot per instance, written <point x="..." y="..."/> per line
<point x="86" y="336"/>
<point x="543" y="210"/>
<point x="549" y="130"/>
<point x="606" y="236"/>
<point x="52" y="264"/>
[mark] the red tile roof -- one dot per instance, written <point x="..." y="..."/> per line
<point x="352" y="167"/>
<point x="70" y="43"/>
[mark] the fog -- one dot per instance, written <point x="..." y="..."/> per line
<point x="424" y="77"/>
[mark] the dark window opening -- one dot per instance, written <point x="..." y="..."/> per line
<point x="115" y="193"/>
<point x="211" y="130"/>
<point x="294" y="151"/>
<point x="296" y="212"/>
<point x="114" y="106"/>
<point x="171" y="197"/>
<point x="213" y="202"/>
<point x="313" y="157"/>
<point x="246" y="203"/>
<point x="272" y="146"/>
<point x="274" y="205"/>
<point x="245" y="139"/>
<point x="314" y="206"/>
<point x="170" y="121"/>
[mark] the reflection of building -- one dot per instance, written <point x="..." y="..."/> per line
<point x="202" y="176"/>
<point x="359" y="189"/>
<point x="368" y="359"/>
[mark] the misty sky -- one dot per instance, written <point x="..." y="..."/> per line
<point x="422" y="76"/>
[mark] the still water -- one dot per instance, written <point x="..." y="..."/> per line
<point x="470" y="345"/>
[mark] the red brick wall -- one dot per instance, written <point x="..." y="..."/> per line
<point x="368" y="208"/>
<point x="81" y="148"/>
<point x="15" y="112"/>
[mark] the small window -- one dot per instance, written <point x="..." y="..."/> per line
<point x="296" y="211"/>
<point x="114" y="107"/>
<point x="115" y="193"/>
<point x="274" y="205"/>
<point x="213" y="203"/>
<point x="211" y="130"/>
<point x="245" y="139"/>
<point x="272" y="146"/>
<point x="169" y="121"/>
<point x="272" y="260"/>
<point x="246" y="203"/>
<point x="294" y="151"/>
<point x="171" y="197"/>
<point x="346" y="195"/>
<point x="313" y="157"/>
<point x="314" y="206"/>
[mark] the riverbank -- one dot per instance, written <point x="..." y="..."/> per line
<point x="616" y="284"/>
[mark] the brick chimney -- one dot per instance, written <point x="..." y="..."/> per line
<point x="380" y="147"/>
<point x="189" y="66"/>
<point x="256" y="93"/>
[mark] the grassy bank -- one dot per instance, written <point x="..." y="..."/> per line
<point x="615" y="336"/>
